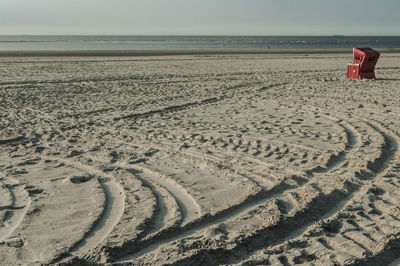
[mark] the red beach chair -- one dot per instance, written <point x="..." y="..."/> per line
<point x="353" y="71"/>
<point x="364" y="61"/>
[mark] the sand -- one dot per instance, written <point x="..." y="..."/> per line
<point x="230" y="159"/>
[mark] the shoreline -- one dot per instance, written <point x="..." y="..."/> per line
<point x="134" y="53"/>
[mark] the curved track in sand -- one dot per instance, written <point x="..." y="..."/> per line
<point x="15" y="208"/>
<point x="113" y="207"/>
<point x="333" y="164"/>
<point x="188" y="207"/>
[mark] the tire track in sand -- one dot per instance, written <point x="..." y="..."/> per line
<point x="16" y="211"/>
<point x="114" y="205"/>
<point x="188" y="206"/>
<point x="170" y="197"/>
<point x="236" y="211"/>
<point x="380" y="168"/>
<point x="175" y="206"/>
<point x="113" y="209"/>
<point x="167" y="214"/>
<point x="298" y="224"/>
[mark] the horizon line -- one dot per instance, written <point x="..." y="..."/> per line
<point x="207" y="35"/>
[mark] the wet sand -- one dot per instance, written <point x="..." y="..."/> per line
<point x="136" y="53"/>
<point x="199" y="159"/>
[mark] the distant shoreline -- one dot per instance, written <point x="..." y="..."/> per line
<point x="115" y="53"/>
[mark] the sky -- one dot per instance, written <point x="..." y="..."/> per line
<point x="199" y="17"/>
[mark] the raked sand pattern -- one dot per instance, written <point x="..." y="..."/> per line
<point x="199" y="160"/>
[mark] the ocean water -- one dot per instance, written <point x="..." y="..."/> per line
<point x="14" y="43"/>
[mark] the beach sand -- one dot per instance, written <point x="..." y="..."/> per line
<point x="200" y="159"/>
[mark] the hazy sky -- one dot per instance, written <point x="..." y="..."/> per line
<point x="201" y="17"/>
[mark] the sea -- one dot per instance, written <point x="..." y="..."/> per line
<point x="81" y="42"/>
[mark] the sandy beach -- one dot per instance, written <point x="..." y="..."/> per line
<point x="198" y="159"/>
